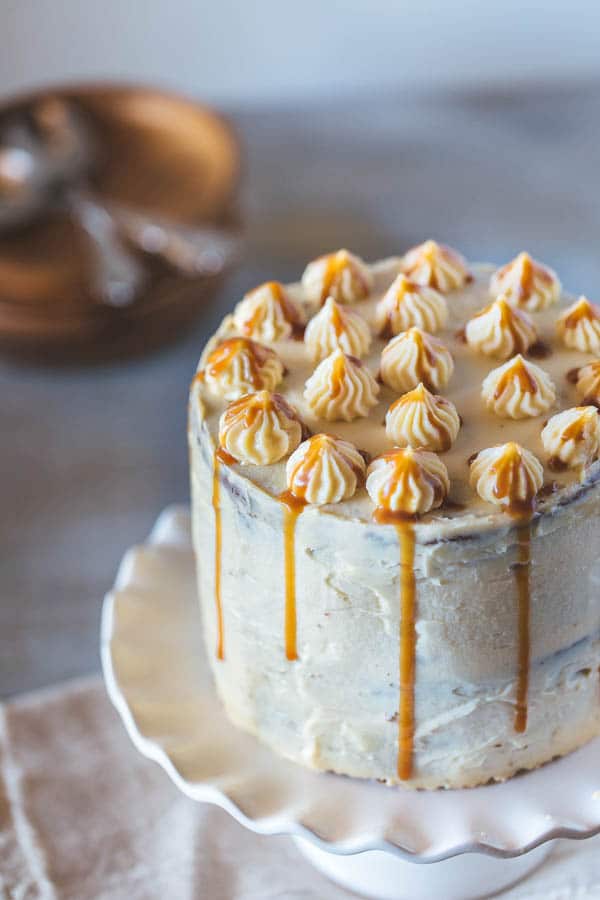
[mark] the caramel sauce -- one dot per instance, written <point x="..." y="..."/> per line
<point x="286" y="307"/>
<point x="254" y="356"/>
<point x="572" y="375"/>
<point x="523" y="579"/>
<point x="526" y="283"/>
<point x="251" y="407"/>
<point x="407" y="471"/>
<point x="582" y="312"/>
<point x="407" y="639"/>
<point x="216" y="492"/>
<point x="419" y="395"/>
<point x="337" y="264"/>
<point x="461" y="335"/>
<point x="519" y="372"/>
<point x="292" y="507"/>
<point x="225" y="457"/>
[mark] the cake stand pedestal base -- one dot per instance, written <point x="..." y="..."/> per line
<point x="385" y="876"/>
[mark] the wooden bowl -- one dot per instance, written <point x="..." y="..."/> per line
<point x="159" y="153"/>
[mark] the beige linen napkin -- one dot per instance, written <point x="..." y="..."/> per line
<point x="84" y="817"/>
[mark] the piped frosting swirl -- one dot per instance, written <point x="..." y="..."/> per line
<point x="267" y="314"/>
<point x="507" y="475"/>
<point x="588" y="383"/>
<point x="435" y="265"/>
<point x="239" y="366"/>
<point x="406" y="303"/>
<point x="572" y="437"/>
<point x="500" y="330"/>
<point x="518" y="390"/>
<point x="526" y="283"/>
<point x="422" y="420"/>
<point x="407" y="482"/>
<point x="260" y="428"/>
<point x="579" y="326"/>
<point x="340" y="275"/>
<point x="324" y="469"/>
<point x="337" y="327"/>
<point x="412" y="357"/>
<point x="341" y="387"/>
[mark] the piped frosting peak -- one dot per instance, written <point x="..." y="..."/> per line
<point x="324" y="469"/>
<point x="588" y="383"/>
<point x="407" y="303"/>
<point x="500" y="330"/>
<point x="267" y="314"/>
<point x="260" y="428"/>
<point x="579" y="326"/>
<point x="572" y="437"/>
<point x="340" y="275"/>
<point x="239" y="366"/>
<point x="507" y="475"/>
<point x="341" y="387"/>
<point x="337" y="327"/>
<point x="412" y="357"/>
<point x="518" y="390"/>
<point x="422" y="420"/>
<point x="526" y="283"/>
<point x="406" y="482"/>
<point x="435" y="265"/>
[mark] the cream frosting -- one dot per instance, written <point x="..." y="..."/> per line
<point x="407" y="482"/>
<point x="572" y="438"/>
<point x="588" y="383"/>
<point x="335" y="326"/>
<point x="341" y="387"/>
<point x="435" y="265"/>
<point x="422" y="420"/>
<point x="500" y="330"/>
<point x="412" y="357"/>
<point x="579" y="326"/>
<point x="324" y="469"/>
<point x="238" y="366"/>
<point x="260" y="428"/>
<point x="518" y="390"/>
<point x="507" y="475"/>
<point x="340" y="275"/>
<point x="526" y="283"/>
<point x="267" y="313"/>
<point x="406" y="303"/>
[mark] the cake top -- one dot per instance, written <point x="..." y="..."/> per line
<point x="419" y="386"/>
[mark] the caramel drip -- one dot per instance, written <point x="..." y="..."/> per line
<point x="287" y="309"/>
<point x="337" y="263"/>
<point x="527" y="382"/>
<point x="407" y="638"/>
<point x="253" y="355"/>
<point x="508" y="471"/>
<point x="523" y="579"/>
<point x="526" y="283"/>
<point x="216" y="492"/>
<point x="507" y="322"/>
<point x="407" y="471"/>
<point x="337" y="321"/>
<point x="292" y="507"/>
<point x="583" y="311"/>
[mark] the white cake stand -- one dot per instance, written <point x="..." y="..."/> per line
<point x="368" y="837"/>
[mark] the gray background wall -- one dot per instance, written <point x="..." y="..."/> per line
<point x="238" y="50"/>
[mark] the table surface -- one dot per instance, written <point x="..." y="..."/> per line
<point x="89" y="457"/>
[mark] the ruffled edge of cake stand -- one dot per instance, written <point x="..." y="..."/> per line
<point x="156" y="677"/>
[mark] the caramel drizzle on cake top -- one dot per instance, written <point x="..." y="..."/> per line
<point x="507" y="471"/>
